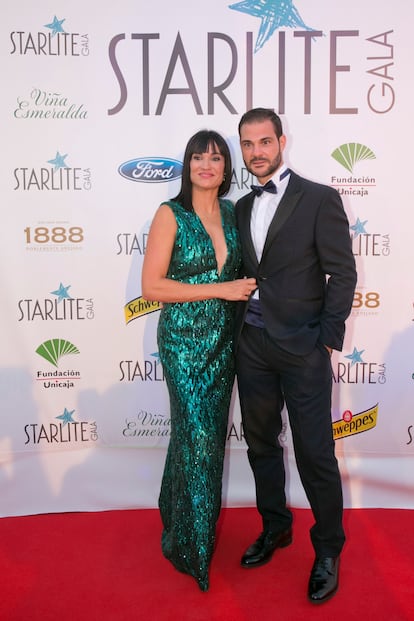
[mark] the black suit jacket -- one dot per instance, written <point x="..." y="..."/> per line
<point x="307" y="274"/>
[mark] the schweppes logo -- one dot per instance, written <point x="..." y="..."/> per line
<point x="350" y="425"/>
<point x="139" y="307"/>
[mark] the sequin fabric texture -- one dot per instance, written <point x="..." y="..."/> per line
<point x="195" y="341"/>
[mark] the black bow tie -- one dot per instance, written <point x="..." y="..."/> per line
<point x="268" y="187"/>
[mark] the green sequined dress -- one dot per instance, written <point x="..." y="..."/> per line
<point x="195" y="341"/>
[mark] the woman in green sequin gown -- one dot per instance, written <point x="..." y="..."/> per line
<point x="191" y="265"/>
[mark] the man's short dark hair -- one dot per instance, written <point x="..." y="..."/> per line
<point x="257" y="115"/>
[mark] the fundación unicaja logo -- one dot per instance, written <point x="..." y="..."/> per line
<point x="53" y="350"/>
<point x="349" y="155"/>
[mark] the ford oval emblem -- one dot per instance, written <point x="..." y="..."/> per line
<point x="151" y="169"/>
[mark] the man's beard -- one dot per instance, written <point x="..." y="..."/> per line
<point x="273" y="166"/>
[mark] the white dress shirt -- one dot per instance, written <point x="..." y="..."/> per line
<point x="264" y="209"/>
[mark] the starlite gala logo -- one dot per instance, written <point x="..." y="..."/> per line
<point x="151" y="169"/>
<point x="58" y="176"/>
<point x="366" y="243"/>
<point x="148" y="369"/>
<point x="53" y="41"/>
<point x="284" y="33"/>
<point x="357" y="368"/>
<point x="66" y="430"/>
<point x="131" y="243"/>
<point x="61" y="307"/>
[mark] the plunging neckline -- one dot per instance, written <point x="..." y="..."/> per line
<point x="219" y="272"/>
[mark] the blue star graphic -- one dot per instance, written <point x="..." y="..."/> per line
<point x="55" y="26"/>
<point x="274" y="14"/>
<point x="358" y="227"/>
<point x="355" y="356"/>
<point x="62" y="293"/>
<point x="66" y="417"/>
<point x="58" y="161"/>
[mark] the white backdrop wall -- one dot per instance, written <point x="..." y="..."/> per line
<point x="97" y="105"/>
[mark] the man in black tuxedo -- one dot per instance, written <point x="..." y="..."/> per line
<point x="296" y="243"/>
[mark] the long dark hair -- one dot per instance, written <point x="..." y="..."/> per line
<point x="200" y="143"/>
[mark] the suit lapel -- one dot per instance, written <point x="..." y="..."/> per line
<point x="244" y="226"/>
<point x="286" y="207"/>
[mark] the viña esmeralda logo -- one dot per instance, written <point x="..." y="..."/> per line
<point x="66" y="430"/>
<point x="53" y="350"/>
<point x="46" y="104"/>
<point x="147" y="424"/>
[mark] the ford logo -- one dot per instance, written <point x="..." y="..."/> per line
<point x="151" y="169"/>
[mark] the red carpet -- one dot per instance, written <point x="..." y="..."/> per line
<point x="108" y="566"/>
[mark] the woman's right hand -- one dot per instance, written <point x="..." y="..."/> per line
<point x="238" y="290"/>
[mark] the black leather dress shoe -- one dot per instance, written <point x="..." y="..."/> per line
<point x="324" y="579"/>
<point x="261" y="551"/>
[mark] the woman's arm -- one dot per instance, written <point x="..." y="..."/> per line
<point x="155" y="284"/>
